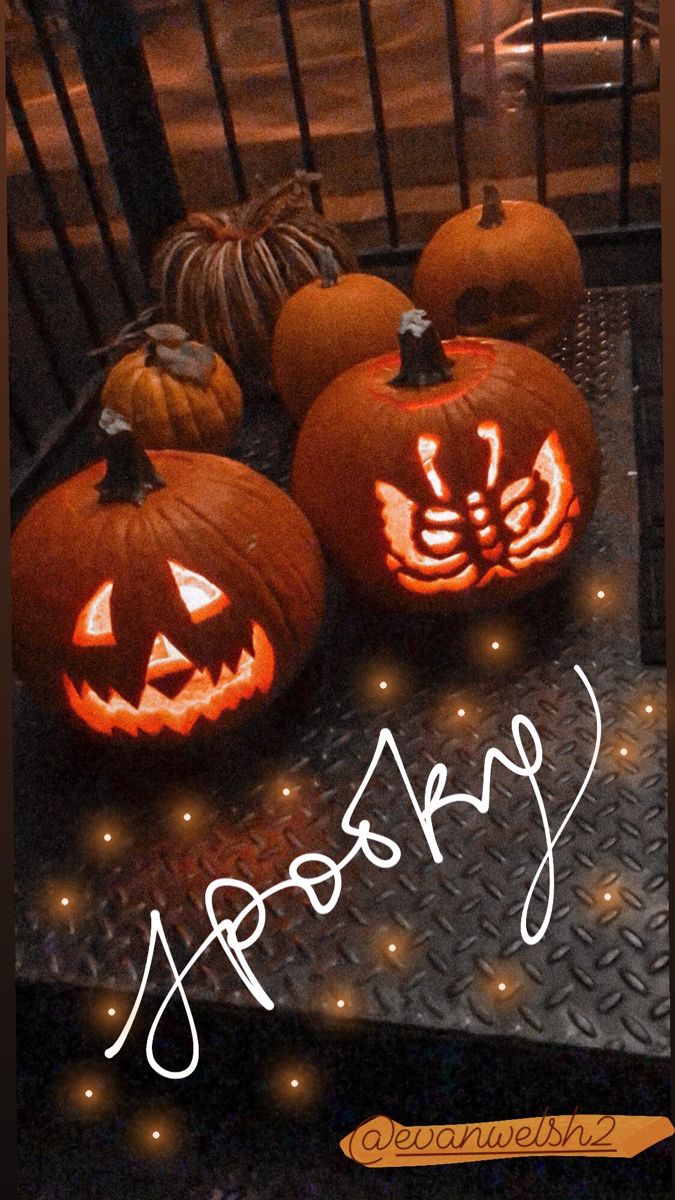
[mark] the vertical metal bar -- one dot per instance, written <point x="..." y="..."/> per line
<point x="114" y="67"/>
<point x="378" y="119"/>
<point x="37" y="317"/>
<point x="490" y="59"/>
<point x="539" y="101"/>
<point x="222" y="98"/>
<point x="297" y="89"/>
<point x="51" y="206"/>
<point x="459" y="122"/>
<point x="79" y="150"/>
<point x="626" y="113"/>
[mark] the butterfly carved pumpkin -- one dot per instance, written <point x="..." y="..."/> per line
<point x="449" y="476"/>
<point x="163" y="594"/>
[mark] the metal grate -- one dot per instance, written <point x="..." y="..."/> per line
<point x="71" y="297"/>
<point x="597" y="980"/>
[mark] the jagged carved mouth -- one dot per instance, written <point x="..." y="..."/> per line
<point x="198" y="694"/>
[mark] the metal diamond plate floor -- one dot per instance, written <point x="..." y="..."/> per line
<point x="599" y="977"/>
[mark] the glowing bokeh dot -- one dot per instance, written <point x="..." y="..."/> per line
<point x="607" y="896"/>
<point x="502" y="987"/>
<point x="623" y="751"/>
<point x="383" y="684"/>
<point x="495" y="645"/>
<point x="600" y="594"/>
<point x="392" y="947"/>
<point x="156" y="1134"/>
<point x="65" y="901"/>
<point x="107" y="837"/>
<point x="89" y="1093"/>
<point x="340" y="1003"/>
<point x="111" y="1012"/>
<point x="295" y="1083"/>
<point x="187" y="816"/>
<point x="461" y="712"/>
<point x="649" y="708"/>
<point x="286" y="791"/>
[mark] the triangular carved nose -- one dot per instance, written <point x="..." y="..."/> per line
<point x="165" y="659"/>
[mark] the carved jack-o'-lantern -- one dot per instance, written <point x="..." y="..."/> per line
<point x="449" y="476"/>
<point x="505" y="269"/>
<point x="169" y="593"/>
<point x="176" y="693"/>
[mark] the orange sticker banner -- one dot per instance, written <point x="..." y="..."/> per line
<point x="382" y="1142"/>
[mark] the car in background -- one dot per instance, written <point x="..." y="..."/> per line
<point x="583" y="47"/>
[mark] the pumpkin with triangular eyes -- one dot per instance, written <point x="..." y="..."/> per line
<point x="506" y="269"/>
<point x="163" y="594"/>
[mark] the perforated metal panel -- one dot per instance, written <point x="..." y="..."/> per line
<point x="599" y="976"/>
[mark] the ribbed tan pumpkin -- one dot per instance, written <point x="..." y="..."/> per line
<point x="329" y="325"/>
<point x="175" y="393"/>
<point x="505" y="269"/>
<point x="225" y="275"/>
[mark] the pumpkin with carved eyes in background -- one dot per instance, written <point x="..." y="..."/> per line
<point x="162" y="594"/>
<point x="454" y="475"/>
<point x="505" y="269"/>
<point x="329" y="325"/>
<point x="175" y="393"/>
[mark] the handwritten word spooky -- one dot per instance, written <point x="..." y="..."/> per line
<point x="382" y="852"/>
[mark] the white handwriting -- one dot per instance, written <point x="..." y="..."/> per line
<point x="320" y="876"/>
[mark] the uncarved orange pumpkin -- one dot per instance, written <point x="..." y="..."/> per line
<point x="506" y="269"/>
<point x="224" y="275"/>
<point x="163" y="594"/>
<point x="329" y="325"/>
<point x="448" y="476"/>
<point x="175" y="393"/>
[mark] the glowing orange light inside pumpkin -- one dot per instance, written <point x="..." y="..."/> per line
<point x="481" y="546"/>
<point x="94" y="624"/>
<point x="203" y="694"/>
<point x="492" y="434"/>
<point x="427" y="448"/>
<point x="201" y="598"/>
<point x="200" y="696"/>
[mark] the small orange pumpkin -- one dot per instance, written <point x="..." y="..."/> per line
<point x="506" y="269"/>
<point x="175" y="393"/>
<point x="161" y="595"/>
<point x="329" y="325"/>
<point x="448" y="476"/>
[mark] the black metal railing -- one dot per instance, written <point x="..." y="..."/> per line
<point x="107" y="35"/>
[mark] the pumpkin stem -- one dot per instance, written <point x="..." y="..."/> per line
<point x="423" y="361"/>
<point x="493" y="214"/>
<point x="129" y="472"/>
<point x="215" y="225"/>
<point x="170" y="336"/>
<point x="328" y="267"/>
